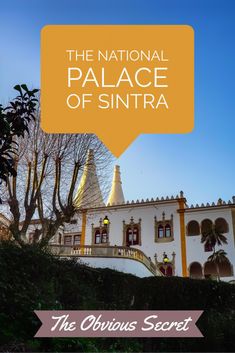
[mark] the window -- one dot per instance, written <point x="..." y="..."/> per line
<point x="225" y="269"/>
<point x="206" y="226"/>
<point x="100" y="234"/>
<point x="68" y="240"/>
<point x="136" y="235"/>
<point x="195" y="270"/>
<point x="73" y="221"/>
<point x="193" y="228"/>
<point x="168" y="231"/>
<point x="210" y="269"/>
<point x="77" y="239"/>
<point x="221" y="225"/>
<point x="164" y="231"/>
<point x="166" y="270"/>
<point x="132" y="233"/>
<point x="129" y="235"/>
<point x="104" y="236"/>
<point x="97" y="237"/>
<point x="132" y="236"/>
<point x="160" y="231"/>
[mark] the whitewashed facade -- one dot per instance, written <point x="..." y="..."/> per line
<point x="144" y="237"/>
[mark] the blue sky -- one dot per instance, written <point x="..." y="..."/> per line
<point x="201" y="163"/>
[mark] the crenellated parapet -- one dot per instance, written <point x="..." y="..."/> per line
<point x="161" y="199"/>
<point x="219" y="204"/>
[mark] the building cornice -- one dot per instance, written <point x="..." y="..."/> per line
<point x="137" y="203"/>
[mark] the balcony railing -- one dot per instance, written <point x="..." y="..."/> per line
<point x="105" y="251"/>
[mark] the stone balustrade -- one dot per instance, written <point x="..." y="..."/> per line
<point x="105" y="251"/>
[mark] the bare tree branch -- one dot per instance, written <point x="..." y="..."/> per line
<point x="49" y="168"/>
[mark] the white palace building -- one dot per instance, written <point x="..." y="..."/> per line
<point x="153" y="237"/>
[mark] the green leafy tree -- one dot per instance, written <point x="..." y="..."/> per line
<point x="213" y="236"/>
<point x="14" y="121"/>
<point x="218" y="257"/>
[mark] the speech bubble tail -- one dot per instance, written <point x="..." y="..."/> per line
<point x="117" y="142"/>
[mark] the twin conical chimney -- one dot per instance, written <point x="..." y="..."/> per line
<point x="116" y="196"/>
<point x="89" y="193"/>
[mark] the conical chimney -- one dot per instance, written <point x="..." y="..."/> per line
<point x="89" y="194"/>
<point x="116" y="196"/>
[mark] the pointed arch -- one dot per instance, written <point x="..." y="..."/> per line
<point x="160" y="231"/>
<point x="97" y="236"/>
<point x="167" y="230"/>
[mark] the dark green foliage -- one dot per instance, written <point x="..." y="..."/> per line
<point x="213" y="237"/>
<point x="14" y="120"/>
<point x="31" y="279"/>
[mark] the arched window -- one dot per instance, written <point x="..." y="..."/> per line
<point x="195" y="270"/>
<point x="164" y="229"/>
<point x="104" y="236"/>
<point x="97" y="237"/>
<point x="206" y="226"/>
<point x="132" y="236"/>
<point x="225" y="269"/>
<point x="221" y="225"/>
<point x="193" y="228"/>
<point x="100" y="234"/>
<point x="136" y="235"/>
<point x="160" y="231"/>
<point x="166" y="270"/>
<point x="210" y="269"/>
<point x="129" y="237"/>
<point x="167" y="231"/>
<point x="132" y="232"/>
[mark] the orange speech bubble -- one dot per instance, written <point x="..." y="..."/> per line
<point x="117" y="81"/>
